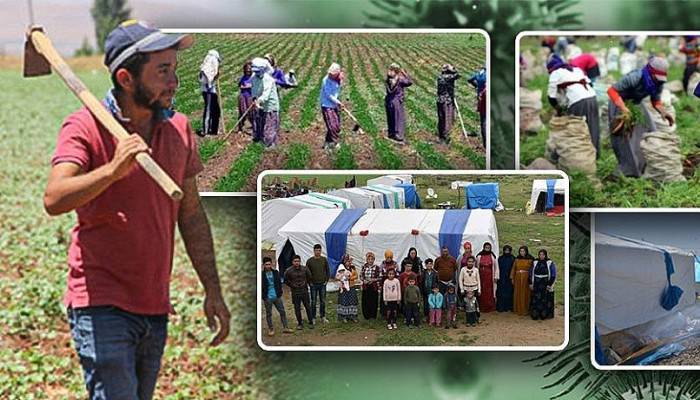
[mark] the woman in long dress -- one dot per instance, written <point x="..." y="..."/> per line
<point x="519" y="278"/>
<point x="397" y="80"/>
<point x="504" y="293"/>
<point x="370" y="287"/>
<point x="488" y="275"/>
<point x="347" y="296"/>
<point x="542" y="276"/>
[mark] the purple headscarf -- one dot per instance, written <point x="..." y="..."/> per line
<point x="555" y="62"/>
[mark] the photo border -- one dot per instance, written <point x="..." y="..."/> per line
<point x="517" y="95"/>
<point x="483" y="32"/>
<point x="258" y="257"/>
<point x="592" y="308"/>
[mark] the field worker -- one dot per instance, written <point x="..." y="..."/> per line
<point x="570" y="92"/>
<point x="446" y="101"/>
<point x="331" y="105"/>
<point x="266" y="103"/>
<point x="278" y="74"/>
<point x="208" y="74"/>
<point x="397" y="79"/>
<point x="587" y="63"/>
<point x="635" y="86"/>
<point x="121" y="250"/>
<point x="245" y="97"/>
<point x="690" y="47"/>
<point x="478" y="81"/>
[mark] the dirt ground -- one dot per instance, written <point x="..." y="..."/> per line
<point x="690" y="356"/>
<point x="495" y="329"/>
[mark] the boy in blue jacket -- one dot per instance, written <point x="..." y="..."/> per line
<point x="272" y="295"/>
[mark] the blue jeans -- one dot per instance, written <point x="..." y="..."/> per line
<point x="120" y="352"/>
<point x="320" y="290"/>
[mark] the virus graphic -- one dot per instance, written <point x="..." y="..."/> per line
<point x="503" y="20"/>
<point x="571" y="369"/>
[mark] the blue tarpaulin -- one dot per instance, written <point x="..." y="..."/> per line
<point x="482" y="195"/>
<point x="410" y="194"/>
<point x="337" y="235"/>
<point x="550" y="194"/>
<point x="451" y="230"/>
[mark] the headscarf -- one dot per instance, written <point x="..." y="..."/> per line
<point x="448" y="68"/>
<point x="484" y="252"/>
<point x="261" y="65"/>
<point x="334" y="68"/>
<point x="388" y="253"/>
<point x="654" y="75"/>
<point x="369" y="253"/>
<point x="527" y="255"/>
<point x="395" y="66"/>
<point x="466" y="254"/>
<point x="347" y="262"/>
<point x="546" y="256"/>
<point x="555" y="62"/>
<point x="210" y="65"/>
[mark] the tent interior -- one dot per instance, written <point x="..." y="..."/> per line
<point x="639" y="317"/>
<point x="548" y="196"/>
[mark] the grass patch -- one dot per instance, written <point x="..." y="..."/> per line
<point x="297" y="156"/>
<point x="430" y="157"/>
<point x="240" y="170"/>
<point x="209" y="148"/>
<point x="344" y="158"/>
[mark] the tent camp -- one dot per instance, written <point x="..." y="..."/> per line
<point x="277" y="212"/>
<point x="360" y="198"/>
<point x="631" y="282"/>
<point x="547" y="195"/>
<point x="358" y="231"/>
<point x="390" y="180"/>
<point x="394" y="197"/>
<point x="482" y="195"/>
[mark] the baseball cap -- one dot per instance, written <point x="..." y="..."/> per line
<point x="133" y="36"/>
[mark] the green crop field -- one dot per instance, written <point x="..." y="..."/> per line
<point x="233" y="161"/>
<point x="622" y="191"/>
<point x="36" y="349"/>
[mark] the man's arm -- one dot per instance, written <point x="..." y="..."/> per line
<point x="70" y="187"/>
<point x="196" y="233"/>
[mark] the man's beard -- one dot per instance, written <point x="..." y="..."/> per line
<point x="145" y="98"/>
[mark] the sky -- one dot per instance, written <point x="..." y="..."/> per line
<point x="68" y="22"/>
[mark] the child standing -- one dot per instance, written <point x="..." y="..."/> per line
<point x="472" y="307"/>
<point x="429" y="280"/>
<point x="272" y="296"/>
<point x="391" y="294"/>
<point x="435" y="302"/>
<point x="451" y="307"/>
<point x="411" y="299"/>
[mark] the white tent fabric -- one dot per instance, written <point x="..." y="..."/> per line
<point x="390" y="180"/>
<point x="360" y="198"/>
<point x="277" y="212"/>
<point x="630" y="279"/>
<point x="386" y="229"/>
<point x="397" y="197"/>
<point x="540" y="186"/>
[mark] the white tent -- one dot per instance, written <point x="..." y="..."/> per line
<point x="394" y="197"/>
<point x="390" y="180"/>
<point x="277" y="212"/>
<point x="630" y="279"/>
<point x="538" y="197"/>
<point x="380" y="229"/>
<point x="360" y="198"/>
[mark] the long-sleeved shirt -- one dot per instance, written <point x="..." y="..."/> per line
<point x="265" y="91"/>
<point x="391" y="290"/>
<point x="297" y="279"/>
<point x="411" y="294"/>
<point x="435" y="301"/>
<point x="446" y="87"/>
<point x="320" y="271"/>
<point x="395" y="89"/>
<point x="543" y="270"/>
<point x="446" y="267"/>
<point x="691" y="50"/>
<point x="245" y="85"/>
<point x="478" y="80"/>
<point x="569" y="87"/>
<point x="330" y="92"/>
<point x="469" y="280"/>
<point x="631" y="87"/>
<point x="429" y="280"/>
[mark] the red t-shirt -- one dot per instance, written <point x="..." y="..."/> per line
<point x="585" y="62"/>
<point x="121" y="249"/>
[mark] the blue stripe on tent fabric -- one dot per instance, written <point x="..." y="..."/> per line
<point x="410" y="194"/>
<point x="482" y="195"/>
<point x="451" y="230"/>
<point x="384" y="196"/>
<point x="550" y="194"/>
<point x="337" y="235"/>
